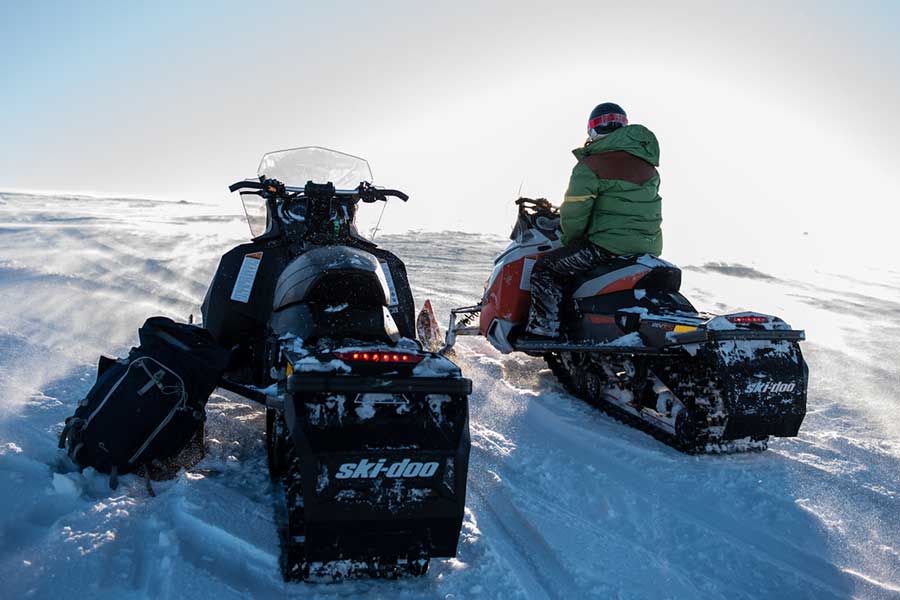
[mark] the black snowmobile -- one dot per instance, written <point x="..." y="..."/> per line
<point x="634" y="346"/>
<point x="367" y="433"/>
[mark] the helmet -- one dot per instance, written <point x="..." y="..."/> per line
<point x="606" y="118"/>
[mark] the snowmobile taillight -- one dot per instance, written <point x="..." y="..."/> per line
<point x="380" y="357"/>
<point x="748" y="319"/>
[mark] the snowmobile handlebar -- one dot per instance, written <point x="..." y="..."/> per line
<point x="365" y="192"/>
<point x="539" y="204"/>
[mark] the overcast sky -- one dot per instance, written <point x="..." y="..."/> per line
<point x="774" y="119"/>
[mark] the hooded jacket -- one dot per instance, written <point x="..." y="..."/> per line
<point x="613" y="197"/>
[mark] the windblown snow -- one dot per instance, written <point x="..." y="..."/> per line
<point x="563" y="502"/>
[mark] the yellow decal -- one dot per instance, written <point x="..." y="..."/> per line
<point x="684" y="328"/>
<point x="289" y="369"/>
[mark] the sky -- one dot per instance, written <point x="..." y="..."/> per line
<point x="777" y="121"/>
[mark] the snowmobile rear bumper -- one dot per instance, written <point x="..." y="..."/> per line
<point x="754" y="426"/>
<point x="342" y="384"/>
<point x="706" y="335"/>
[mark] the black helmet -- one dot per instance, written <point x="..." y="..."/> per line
<point x="606" y="118"/>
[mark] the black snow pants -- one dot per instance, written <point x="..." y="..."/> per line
<point x="549" y="278"/>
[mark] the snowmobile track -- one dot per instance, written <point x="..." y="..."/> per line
<point x="626" y="418"/>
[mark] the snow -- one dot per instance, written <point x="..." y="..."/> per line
<point x="648" y="260"/>
<point x="563" y="502"/>
<point x="311" y="364"/>
<point x="631" y="340"/>
<point x="365" y="409"/>
<point x="733" y="352"/>
<point x="403" y="344"/>
<point x="435" y="366"/>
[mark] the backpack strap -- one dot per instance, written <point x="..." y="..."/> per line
<point x="64" y="434"/>
<point x="70" y="431"/>
<point x="145" y="473"/>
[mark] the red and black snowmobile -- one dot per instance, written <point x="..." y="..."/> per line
<point x="634" y="346"/>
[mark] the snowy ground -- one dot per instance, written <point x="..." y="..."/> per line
<point x="563" y="502"/>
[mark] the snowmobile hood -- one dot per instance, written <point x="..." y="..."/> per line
<point x="636" y="140"/>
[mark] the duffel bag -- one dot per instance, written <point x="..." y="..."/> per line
<point x="146" y="407"/>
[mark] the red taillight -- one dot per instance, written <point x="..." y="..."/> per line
<point x="381" y="357"/>
<point x="748" y="319"/>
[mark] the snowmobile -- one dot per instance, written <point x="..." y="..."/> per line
<point x="367" y="433"/>
<point x="635" y="347"/>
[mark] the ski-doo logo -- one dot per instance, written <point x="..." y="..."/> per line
<point x="370" y="470"/>
<point x="769" y="387"/>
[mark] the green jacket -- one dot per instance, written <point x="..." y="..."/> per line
<point x="613" y="197"/>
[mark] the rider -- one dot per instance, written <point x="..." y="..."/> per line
<point x="612" y="207"/>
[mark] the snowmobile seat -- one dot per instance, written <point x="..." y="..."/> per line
<point x="663" y="279"/>
<point x="333" y="291"/>
<point x="339" y="274"/>
<point x="625" y="273"/>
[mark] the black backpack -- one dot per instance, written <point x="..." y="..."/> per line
<point x="149" y="406"/>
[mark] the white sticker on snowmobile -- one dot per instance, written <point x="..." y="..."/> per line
<point x="525" y="281"/>
<point x="389" y="280"/>
<point x="243" y="285"/>
<point x="769" y="387"/>
<point x="370" y="470"/>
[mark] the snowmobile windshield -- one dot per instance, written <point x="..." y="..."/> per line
<point x="296" y="167"/>
<point x="320" y="165"/>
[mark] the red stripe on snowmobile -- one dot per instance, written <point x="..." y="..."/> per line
<point x="625" y="283"/>
<point x="601" y="319"/>
<point x="506" y="299"/>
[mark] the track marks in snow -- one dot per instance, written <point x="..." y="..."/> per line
<point x="539" y="571"/>
<point x="621" y="496"/>
<point x="229" y="558"/>
<point x="490" y="441"/>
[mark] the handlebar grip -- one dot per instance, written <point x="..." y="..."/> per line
<point x="253" y="185"/>
<point x="395" y="194"/>
<point x="536" y="202"/>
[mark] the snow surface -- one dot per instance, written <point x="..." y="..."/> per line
<point x="563" y="502"/>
